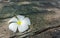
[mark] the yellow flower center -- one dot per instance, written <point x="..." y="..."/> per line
<point x="19" y="22"/>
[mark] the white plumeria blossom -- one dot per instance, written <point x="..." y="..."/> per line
<point x="21" y="23"/>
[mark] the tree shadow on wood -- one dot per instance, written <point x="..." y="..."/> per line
<point x="26" y="9"/>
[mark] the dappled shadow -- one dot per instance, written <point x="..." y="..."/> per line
<point x="25" y="9"/>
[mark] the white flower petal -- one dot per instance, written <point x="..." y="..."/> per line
<point x="26" y="21"/>
<point x="13" y="27"/>
<point x="12" y="20"/>
<point x="22" y="28"/>
<point x="20" y="17"/>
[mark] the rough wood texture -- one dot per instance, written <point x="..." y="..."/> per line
<point x="42" y="14"/>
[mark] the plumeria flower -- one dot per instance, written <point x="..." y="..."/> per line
<point x="21" y="23"/>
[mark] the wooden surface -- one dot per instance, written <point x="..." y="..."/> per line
<point x="42" y="15"/>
